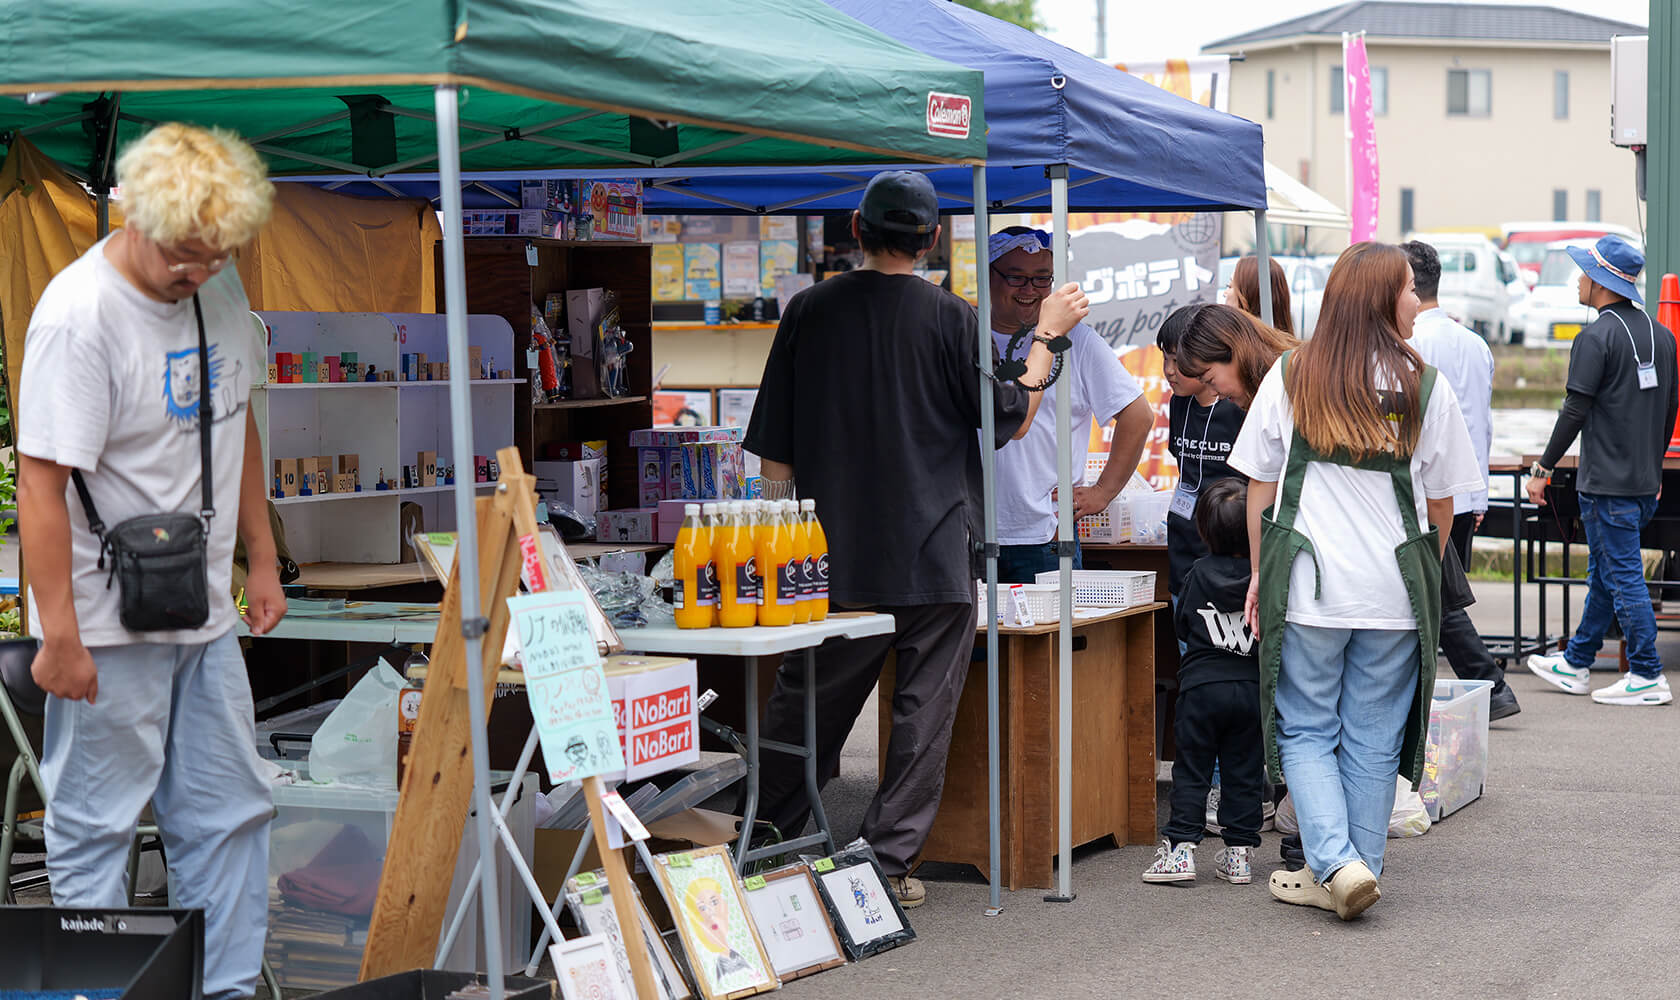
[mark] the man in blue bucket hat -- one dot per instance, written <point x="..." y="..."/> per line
<point x="1622" y="397"/>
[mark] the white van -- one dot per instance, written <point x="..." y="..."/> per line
<point x="1476" y="283"/>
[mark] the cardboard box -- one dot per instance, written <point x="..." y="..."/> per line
<point x="351" y="365"/>
<point x="654" y="706"/>
<point x="671" y="516"/>
<point x="273" y="372"/>
<point x="640" y="526"/>
<point x="323" y="372"/>
<point x="344" y="482"/>
<point x="335" y="369"/>
<point x="425" y="465"/>
<point x="672" y="437"/>
<point x="310" y="367"/>
<point x="614" y="208"/>
<point x="552" y="852"/>
<point x="285" y="477"/>
<point x="481" y="469"/>
<point x="652" y="496"/>
<point x="350" y="464"/>
<point x="713" y="470"/>
<point x="475" y="361"/>
<point x="574" y="483"/>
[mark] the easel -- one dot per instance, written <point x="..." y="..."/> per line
<point x="425" y="833"/>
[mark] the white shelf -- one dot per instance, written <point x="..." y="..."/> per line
<point x="443" y="384"/>
<point x="367" y="494"/>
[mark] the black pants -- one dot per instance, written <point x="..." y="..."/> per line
<point x="1460" y="642"/>
<point x="935" y="643"/>
<point x="1218" y="722"/>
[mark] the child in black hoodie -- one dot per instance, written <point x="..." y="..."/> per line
<point x="1218" y="700"/>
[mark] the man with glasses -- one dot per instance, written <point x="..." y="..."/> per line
<point x="112" y="389"/>
<point x="1022" y="273"/>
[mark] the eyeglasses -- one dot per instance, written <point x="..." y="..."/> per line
<point x="188" y="267"/>
<point x="1022" y="280"/>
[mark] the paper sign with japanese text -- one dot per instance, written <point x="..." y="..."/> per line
<point x="570" y="703"/>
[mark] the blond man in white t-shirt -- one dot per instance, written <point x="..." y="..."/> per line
<point x="111" y="388"/>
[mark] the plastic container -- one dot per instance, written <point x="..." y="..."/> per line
<point x="732" y="550"/>
<point x="1106" y="588"/>
<point x="818" y="568"/>
<point x="1044" y="602"/>
<point x="1455" y="759"/>
<point x="1111" y="525"/>
<point x="1149" y="517"/>
<point x="695" y="571"/>
<point x="326" y="853"/>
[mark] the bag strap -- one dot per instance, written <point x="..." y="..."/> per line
<point x="207" y="491"/>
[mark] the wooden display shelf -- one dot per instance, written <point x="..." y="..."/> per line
<point x="365" y="494"/>
<point x="437" y="384"/>
<point x="584" y="404"/>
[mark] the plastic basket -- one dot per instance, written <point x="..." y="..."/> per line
<point x="1044" y="603"/>
<point x="1112" y="525"/>
<point x="1106" y="588"/>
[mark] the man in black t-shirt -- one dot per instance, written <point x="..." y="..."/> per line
<point x="1621" y="398"/>
<point x="870" y="401"/>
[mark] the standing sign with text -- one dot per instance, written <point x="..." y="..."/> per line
<point x="570" y="702"/>
<point x="1137" y="272"/>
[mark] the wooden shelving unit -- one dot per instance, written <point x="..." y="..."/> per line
<point x="502" y="280"/>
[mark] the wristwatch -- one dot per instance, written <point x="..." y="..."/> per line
<point x="1539" y="471"/>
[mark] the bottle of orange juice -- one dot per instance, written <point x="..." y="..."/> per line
<point x="801" y="555"/>
<point x="780" y="592"/>
<point x="692" y="556"/>
<point x="708" y="581"/>
<point x="737" y="570"/>
<point x="818" y="566"/>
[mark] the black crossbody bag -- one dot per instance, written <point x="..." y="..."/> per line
<point x="159" y="561"/>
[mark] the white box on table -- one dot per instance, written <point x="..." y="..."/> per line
<point x="575" y="483"/>
<point x="654" y="705"/>
<point x="1455" y="759"/>
<point x="640" y="526"/>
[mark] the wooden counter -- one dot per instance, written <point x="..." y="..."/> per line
<point x="1153" y="558"/>
<point x="1113" y="746"/>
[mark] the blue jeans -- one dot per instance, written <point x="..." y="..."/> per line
<point x="1343" y="696"/>
<point x="1616" y="583"/>
<point x="1021" y="563"/>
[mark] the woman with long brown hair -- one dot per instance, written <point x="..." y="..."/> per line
<point x="1230" y="351"/>
<point x="1354" y="450"/>
<point x="1244" y="292"/>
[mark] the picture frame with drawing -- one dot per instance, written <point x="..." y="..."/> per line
<point x="591" y="904"/>
<point x="866" y="914"/>
<point x="725" y="953"/>
<point x="586" y="970"/>
<point x="793" y="922"/>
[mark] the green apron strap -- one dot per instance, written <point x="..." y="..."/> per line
<point x="1400" y="471"/>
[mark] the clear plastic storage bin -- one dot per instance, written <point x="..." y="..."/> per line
<point x="1455" y="760"/>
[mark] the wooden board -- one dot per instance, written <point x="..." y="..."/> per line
<point x="361" y="576"/>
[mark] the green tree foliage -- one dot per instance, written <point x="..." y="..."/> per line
<point x="1022" y="12"/>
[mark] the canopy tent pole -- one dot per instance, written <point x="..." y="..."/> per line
<point x="473" y="623"/>
<point x="1263" y="256"/>
<point x="1058" y="175"/>
<point x="988" y="479"/>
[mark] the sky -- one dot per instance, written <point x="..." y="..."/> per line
<point x="1149" y="29"/>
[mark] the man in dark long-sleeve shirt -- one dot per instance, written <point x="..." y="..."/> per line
<point x="1622" y="397"/>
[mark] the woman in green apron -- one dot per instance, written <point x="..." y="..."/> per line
<point x="1354" y="451"/>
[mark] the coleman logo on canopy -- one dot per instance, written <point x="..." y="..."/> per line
<point x="948" y="114"/>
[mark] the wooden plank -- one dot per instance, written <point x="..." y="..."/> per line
<point x="426" y="831"/>
<point x="1140" y="730"/>
<point x="361" y="576"/>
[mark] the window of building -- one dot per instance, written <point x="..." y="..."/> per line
<point x="1338" y="90"/>
<point x="1560" y="205"/>
<point x="1379" y="90"/>
<point x="1560" y="94"/>
<point x="1271" y="93"/>
<point x="1470" y="92"/>
<point x="1408" y="210"/>
<point x="1595" y="205"/>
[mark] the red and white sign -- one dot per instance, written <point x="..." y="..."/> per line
<point x="653" y="700"/>
<point x="949" y="114"/>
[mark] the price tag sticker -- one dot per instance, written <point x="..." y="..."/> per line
<point x="621" y="811"/>
<point x="592" y="897"/>
<point x="824" y="865"/>
<point x="587" y="878"/>
<point x="756" y="882"/>
<point x="681" y="860"/>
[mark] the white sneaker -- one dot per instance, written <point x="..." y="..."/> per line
<point x="1559" y="673"/>
<point x="1173" y="863"/>
<point x="1234" y="865"/>
<point x="1634" y="689"/>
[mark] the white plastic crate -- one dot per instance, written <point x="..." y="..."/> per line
<point x="1112" y="525"/>
<point x="1455" y="759"/>
<point x="1044" y="603"/>
<point x="1106" y="588"/>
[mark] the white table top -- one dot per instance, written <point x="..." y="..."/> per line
<point x="353" y="621"/>
<point x="756" y="641"/>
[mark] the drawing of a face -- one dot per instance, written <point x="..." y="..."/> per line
<point x="180" y="384"/>
<point x="708" y="913"/>
<point x="578" y="751"/>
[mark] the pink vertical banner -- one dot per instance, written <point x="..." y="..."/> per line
<point x="1362" y="141"/>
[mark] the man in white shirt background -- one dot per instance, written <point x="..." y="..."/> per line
<point x="1465" y="361"/>
<point x="1022" y="268"/>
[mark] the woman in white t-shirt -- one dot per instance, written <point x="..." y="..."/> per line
<point x="1354" y="450"/>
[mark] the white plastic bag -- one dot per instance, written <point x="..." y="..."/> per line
<point x="357" y="743"/>
<point x="1407" y="819"/>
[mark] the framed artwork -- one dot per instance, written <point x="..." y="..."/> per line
<point x="866" y="914"/>
<point x="586" y="970"/>
<point x="682" y="408"/>
<point x="792" y="922"/>
<point x="716" y="931"/>
<point x="592" y="906"/>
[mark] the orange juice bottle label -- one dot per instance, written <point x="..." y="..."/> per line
<point x="746" y="582"/>
<point x="707" y="585"/>
<point x="819" y="583"/>
<point x="787" y="583"/>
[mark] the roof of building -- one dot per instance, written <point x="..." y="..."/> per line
<point x="1490" y="22"/>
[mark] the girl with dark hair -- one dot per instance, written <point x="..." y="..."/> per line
<point x="1354" y="450"/>
<point x="1230" y="351"/>
<point x="1244" y="292"/>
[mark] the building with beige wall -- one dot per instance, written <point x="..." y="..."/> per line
<point x="1485" y="114"/>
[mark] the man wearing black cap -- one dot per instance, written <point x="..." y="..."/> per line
<point x="870" y="401"/>
<point x="1622" y="397"/>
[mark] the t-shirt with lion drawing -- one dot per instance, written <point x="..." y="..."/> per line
<point x="110" y="386"/>
<point x="1218" y="644"/>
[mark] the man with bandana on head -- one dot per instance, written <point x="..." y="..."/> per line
<point x="1102" y="389"/>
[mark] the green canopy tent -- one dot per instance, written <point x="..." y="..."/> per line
<point x="380" y="86"/>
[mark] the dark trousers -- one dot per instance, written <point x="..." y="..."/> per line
<point x="1023" y="563"/>
<point x="1218" y="723"/>
<point x="1460" y="642"/>
<point x="934" y="643"/>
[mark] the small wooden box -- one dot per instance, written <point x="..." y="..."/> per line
<point x="285" y="476"/>
<point x="273" y="372"/>
<point x="426" y="465"/>
<point x="323" y="473"/>
<point x="344" y="482"/>
<point x="475" y="362"/>
<point x="350" y="464"/>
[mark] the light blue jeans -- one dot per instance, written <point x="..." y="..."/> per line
<point x="173" y="726"/>
<point x="1343" y="696"/>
